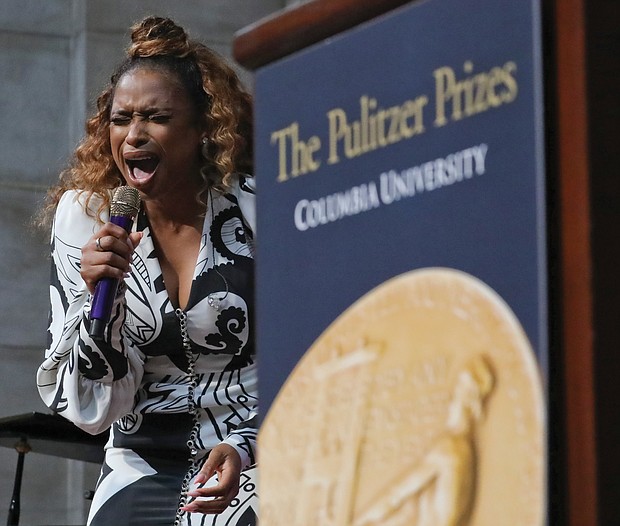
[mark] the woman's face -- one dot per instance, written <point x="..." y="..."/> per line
<point x="154" y="133"/>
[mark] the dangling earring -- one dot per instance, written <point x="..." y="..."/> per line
<point x="204" y="150"/>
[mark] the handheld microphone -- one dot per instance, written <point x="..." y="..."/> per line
<point x="123" y="210"/>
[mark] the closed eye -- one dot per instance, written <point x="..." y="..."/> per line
<point x="159" y="117"/>
<point x="119" y="120"/>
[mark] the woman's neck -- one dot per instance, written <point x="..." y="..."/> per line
<point x="175" y="210"/>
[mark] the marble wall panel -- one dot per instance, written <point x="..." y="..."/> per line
<point x="24" y="272"/>
<point x="52" y="17"/>
<point x="35" y="106"/>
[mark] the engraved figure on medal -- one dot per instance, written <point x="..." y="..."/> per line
<point x="440" y="490"/>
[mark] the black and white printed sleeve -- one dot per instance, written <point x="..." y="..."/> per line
<point x="91" y="383"/>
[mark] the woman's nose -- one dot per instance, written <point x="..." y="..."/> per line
<point x="136" y="134"/>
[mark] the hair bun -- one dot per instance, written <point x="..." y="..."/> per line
<point x="158" y="36"/>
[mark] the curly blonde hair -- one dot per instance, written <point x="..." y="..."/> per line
<point x="220" y="100"/>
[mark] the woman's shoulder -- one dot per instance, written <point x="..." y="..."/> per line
<point x="246" y="183"/>
<point x="80" y="200"/>
<point x="241" y="184"/>
<point x="77" y="214"/>
<point x="244" y="189"/>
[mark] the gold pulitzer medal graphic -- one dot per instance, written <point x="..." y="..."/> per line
<point x="421" y="405"/>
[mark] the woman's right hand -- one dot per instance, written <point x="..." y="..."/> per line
<point x="107" y="254"/>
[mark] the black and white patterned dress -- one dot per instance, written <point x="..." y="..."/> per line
<point x="137" y="381"/>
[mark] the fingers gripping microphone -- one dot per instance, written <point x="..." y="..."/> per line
<point x="123" y="210"/>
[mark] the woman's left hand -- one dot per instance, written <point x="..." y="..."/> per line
<point x="226" y="462"/>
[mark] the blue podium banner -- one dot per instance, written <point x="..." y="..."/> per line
<point x="412" y="141"/>
<point x="401" y="271"/>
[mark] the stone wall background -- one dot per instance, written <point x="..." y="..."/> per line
<point x="54" y="57"/>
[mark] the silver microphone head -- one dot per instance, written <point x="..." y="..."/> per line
<point x="125" y="202"/>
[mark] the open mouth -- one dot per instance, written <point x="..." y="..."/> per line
<point x="143" y="167"/>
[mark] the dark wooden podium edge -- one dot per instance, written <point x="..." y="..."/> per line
<point x="576" y="300"/>
<point x="297" y="27"/>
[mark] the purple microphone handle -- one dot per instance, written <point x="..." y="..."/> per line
<point x="105" y="292"/>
